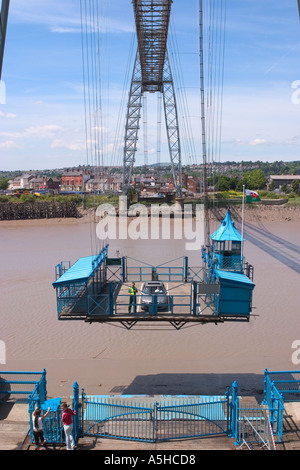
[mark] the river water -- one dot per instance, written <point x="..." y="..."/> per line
<point x="201" y="359"/>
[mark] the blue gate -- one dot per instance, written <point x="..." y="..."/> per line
<point x="145" y="419"/>
<point x="207" y="416"/>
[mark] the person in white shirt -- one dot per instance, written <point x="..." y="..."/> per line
<point x="38" y="428"/>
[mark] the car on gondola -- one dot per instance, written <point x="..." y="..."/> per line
<point x="154" y="293"/>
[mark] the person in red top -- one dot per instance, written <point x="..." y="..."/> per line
<point x="67" y="421"/>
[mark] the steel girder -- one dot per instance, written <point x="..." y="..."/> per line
<point x="132" y="123"/>
<point x="152" y="19"/>
<point x="172" y="126"/>
<point x="152" y="73"/>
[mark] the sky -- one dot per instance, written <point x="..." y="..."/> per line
<point x="42" y="121"/>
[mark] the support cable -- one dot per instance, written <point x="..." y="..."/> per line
<point x="214" y="19"/>
<point x="203" y="127"/>
<point x="188" y="140"/>
<point x="145" y="123"/>
<point x="92" y="29"/>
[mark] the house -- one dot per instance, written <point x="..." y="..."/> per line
<point x="194" y="185"/>
<point x="53" y="183"/>
<point x="43" y="182"/>
<point x="104" y="184"/>
<point x="20" y="182"/>
<point x="97" y="185"/>
<point x="25" y="179"/>
<point x="74" y="180"/>
<point x="116" y="184"/>
<point x="15" y="183"/>
<point x="280" y="180"/>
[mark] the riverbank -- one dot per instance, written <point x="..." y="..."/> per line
<point x="252" y="213"/>
<point x="261" y="212"/>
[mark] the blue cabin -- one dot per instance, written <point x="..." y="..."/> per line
<point x="228" y="268"/>
<point x="235" y="295"/>
<point x="78" y="286"/>
<point x="227" y="246"/>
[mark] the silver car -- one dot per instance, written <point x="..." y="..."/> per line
<point x="151" y="289"/>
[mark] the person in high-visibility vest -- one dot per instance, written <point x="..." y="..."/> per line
<point x="132" y="293"/>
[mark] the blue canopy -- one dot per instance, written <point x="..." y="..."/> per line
<point x="82" y="270"/>
<point x="79" y="272"/>
<point x="234" y="277"/>
<point x="227" y="230"/>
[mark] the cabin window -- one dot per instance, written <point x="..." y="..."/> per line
<point x="228" y="246"/>
<point x="236" y="248"/>
<point x="218" y="247"/>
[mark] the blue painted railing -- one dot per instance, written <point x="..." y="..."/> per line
<point x="280" y="386"/>
<point x="143" y="418"/>
<point x="152" y="420"/>
<point x="35" y="393"/>
<point x="251" y="420"/>
<point x="180" y="304"/>
<point x="53" y="428"/>
<point x="285" y="384"/>
<point x="164" y="272"/>
<point x="9" y="387"/>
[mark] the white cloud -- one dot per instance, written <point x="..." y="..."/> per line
<point x="258" y="142"/>
<point x="74" y="145"/>
<point x="9" y="144"/>
<point x="38" y="132"/>
<point x="63" y="30"/>
<point x="8" y="115"/>
<point x="65" y="17"/>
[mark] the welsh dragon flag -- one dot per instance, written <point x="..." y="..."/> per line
<point x="251" y="196"/>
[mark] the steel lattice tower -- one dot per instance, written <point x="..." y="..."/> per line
<point x="152" y="73"/>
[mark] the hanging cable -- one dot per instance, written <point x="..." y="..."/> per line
<point x="93" y="30"/>
<point x="145" y="122"/>
<point x="212" y="31"/>
<point x="118" y="146"/>
<point x="158" y="145"/>
<point x="214" y="28"/>
<point x="187" y="139"/>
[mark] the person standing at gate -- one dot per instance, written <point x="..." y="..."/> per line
<point x="67" y="421"/>
<point x="132" y="297"/>
<point x="38" y="428"/>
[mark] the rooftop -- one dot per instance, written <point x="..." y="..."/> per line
<point x="227" y="230"/>
<point x="285" y="177"/>
<point x="234" y="277"/>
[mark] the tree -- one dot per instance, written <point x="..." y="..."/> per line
<point x="254" y="179"/>
<point x="296" y="186"/>
<point x="234" y="182"/>
<point x="223" y="183"/>
<point x="272" y="185"/>
<point x="3" y="183"/>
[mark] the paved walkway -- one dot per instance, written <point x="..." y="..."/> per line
<point x="14" y="435"/>
<point x="13" y="425"/>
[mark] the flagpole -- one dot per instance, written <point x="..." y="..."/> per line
<point x="242" y="242"/>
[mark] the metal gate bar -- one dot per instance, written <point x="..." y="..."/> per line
<point x="127" y="422"/>
<point x="192" y="420"/>
<point x="153" y="422"/>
